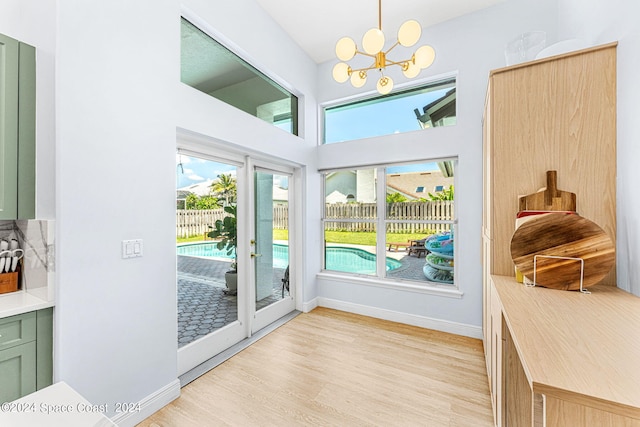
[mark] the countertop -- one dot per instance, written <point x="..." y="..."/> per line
<point x="23" y="301"/>
<point x="577" y="347"/>
<point x="55" y="406"/>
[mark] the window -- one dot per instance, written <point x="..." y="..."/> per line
<point x="424" y="107"/>
<point x="420" y="189"/>
<point x="386" y="229"/>
<point x="211" y="68"/>
<point x="438" y="188"/>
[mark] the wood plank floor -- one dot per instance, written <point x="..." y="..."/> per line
<point x="330" y="368"/>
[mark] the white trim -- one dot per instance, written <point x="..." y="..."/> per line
<point x="396" y="284"/>
<point x="149" y="405"/>
<point x="310" y="305"/>
<point x="406" y="318"/>
<point x="372" y="94"/>
<point x="236" y="50"/>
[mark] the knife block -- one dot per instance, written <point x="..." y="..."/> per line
<point x="9" y="282"/>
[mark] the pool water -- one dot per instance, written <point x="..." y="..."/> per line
<point x="350" y="260"/>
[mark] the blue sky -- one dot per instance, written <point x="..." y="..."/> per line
<point x="377" y="118"/>
<point x="194" y="170"/>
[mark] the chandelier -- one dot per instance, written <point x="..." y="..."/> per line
<point x="372" y="43"/>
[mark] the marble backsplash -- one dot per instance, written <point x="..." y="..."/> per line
<point x="36" y="237"/>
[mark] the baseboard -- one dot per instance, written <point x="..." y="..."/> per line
<point x="149" y="405"/>
<point x="309" y="305"/>
<point x="408" y="319"/>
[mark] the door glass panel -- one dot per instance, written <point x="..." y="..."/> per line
<point x="207" y="283"/>
<point x="271" y="247"/>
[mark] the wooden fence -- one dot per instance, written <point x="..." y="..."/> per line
<point x="197" y="222"/>
<point x="405" y="211"/>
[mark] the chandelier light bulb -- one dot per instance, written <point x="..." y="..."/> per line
<point x="385" y="84"/>
<point x="345" y="48"/>
<point x="411" y="69"/>
<point x="424" y="56"/>
<point x="359" y="79"/>
<point x="373" y="41"/>
<point x="409" y="33"/>
<point x="341" y="72"/>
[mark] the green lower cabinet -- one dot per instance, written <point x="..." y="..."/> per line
<point x="26" y="353"/>
<point x="17" y="371"/>
<point x="44" y="348"/>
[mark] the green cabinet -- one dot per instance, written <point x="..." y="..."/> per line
<point x="17" y="129"/>
<point x="26" y="353"/>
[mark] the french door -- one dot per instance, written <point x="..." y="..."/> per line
<point x="273" y="295"/>
<point x="212" y="316"/>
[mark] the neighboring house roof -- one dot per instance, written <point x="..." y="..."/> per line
<point x="442" y="107"/>
<point x="411" y="182"/>
<point x="200" y="189"/>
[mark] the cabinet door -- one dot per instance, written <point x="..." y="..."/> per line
<point x="17" y="330"/>
<point x="27" y="133"/>
<point x="9" y="60"/>
<point x="17" y="371"/>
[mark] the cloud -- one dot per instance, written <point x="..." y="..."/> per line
<point x="195" y="177"/>
<point x="188" y="171"/>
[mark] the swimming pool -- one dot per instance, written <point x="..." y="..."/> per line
<point x="351" y="260"/>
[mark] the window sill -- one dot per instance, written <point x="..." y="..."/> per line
<point x="449" y="291"/>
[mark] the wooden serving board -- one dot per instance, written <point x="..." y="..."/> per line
<point x="566" y="235"/>
<point x="549" y="199"/>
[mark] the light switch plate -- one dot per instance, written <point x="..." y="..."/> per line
<point x="131" y="248"/>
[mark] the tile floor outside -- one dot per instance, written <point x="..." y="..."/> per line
<point x="204" y="306"/>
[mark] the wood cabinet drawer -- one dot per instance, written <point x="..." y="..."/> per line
<point x="17" y="330"/>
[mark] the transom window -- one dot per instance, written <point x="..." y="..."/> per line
<point x="387" y="229"/>
<point x="424" y="107"/>
<point x="211" y="68"/>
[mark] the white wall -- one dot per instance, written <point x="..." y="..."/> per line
<point x="34" y="22"/>
<point x="117" y="64"/>
<point x="471" y="46"/>
<point x="596" y="22"/>
<point x="119" y="105"/>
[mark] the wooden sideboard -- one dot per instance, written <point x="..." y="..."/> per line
<point x="565" y="358"/>
<point x="555" y="358"/>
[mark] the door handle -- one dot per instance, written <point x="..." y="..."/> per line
<point x="255" y="255"/>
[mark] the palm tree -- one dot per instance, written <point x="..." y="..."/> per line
<point x="225" y="187"/>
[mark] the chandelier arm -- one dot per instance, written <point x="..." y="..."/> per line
<point x="365" y="54"/>
<point x="400" y="63"/>
<point x="357" y="70"/>
<point x="394" y="45"/>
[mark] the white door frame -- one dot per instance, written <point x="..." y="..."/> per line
<point x="275" y="311"/>
<point x="199" y="351"/>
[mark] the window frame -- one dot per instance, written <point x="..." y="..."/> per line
<point x="296" y="114"/>
<point x="380" y="279"/>
<point x="437" y="82"/>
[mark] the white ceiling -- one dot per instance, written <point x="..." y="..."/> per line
<point x="317" y="25"/>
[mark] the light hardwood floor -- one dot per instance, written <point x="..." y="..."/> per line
<point x="330" y="368"/>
